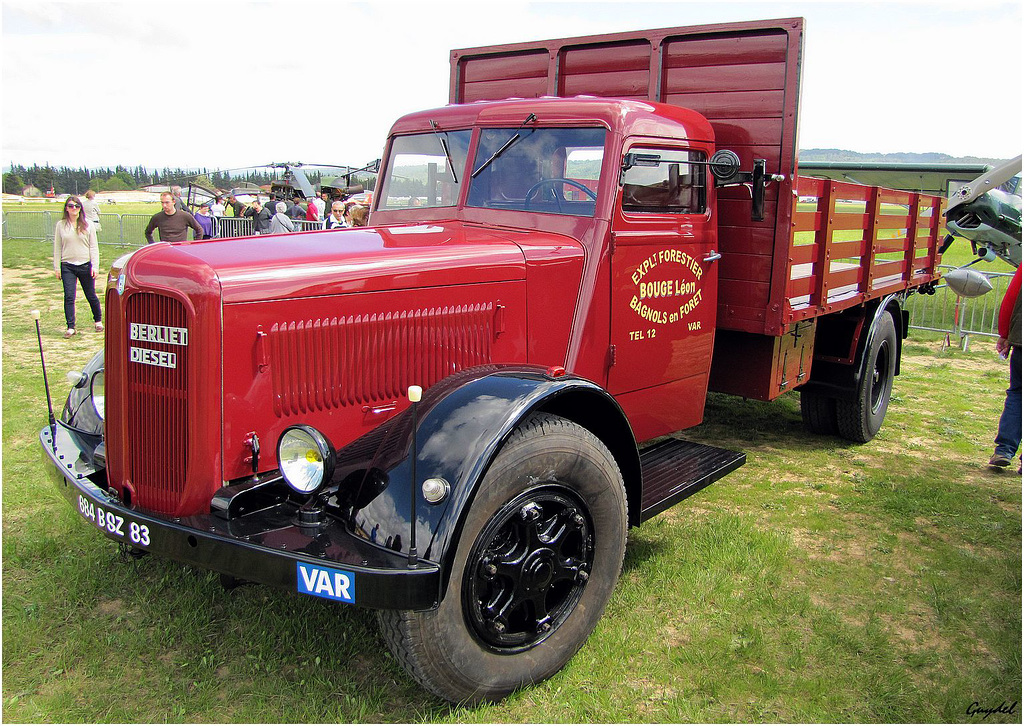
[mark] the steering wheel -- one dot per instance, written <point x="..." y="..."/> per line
<point x="557" y="197"/>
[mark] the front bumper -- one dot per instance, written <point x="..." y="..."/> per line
<point x="268" y="547"/>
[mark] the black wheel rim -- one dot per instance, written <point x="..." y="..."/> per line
<point x="880" y="377"/>
<point x="528" y="569"/>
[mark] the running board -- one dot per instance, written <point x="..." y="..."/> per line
<point x="675" y="469"/>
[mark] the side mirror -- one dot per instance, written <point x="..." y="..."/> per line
<point x="757" y="185"/>
<point x="725" y="165"/>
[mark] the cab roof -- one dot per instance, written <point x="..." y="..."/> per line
<point x="621" y="116"/>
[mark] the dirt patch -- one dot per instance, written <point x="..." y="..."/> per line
<point x="650" y="696"/>
<point x="916" y="628"/>
<point x="806" y="540"/>
<point x="27" y="289"/>
<point x="110" y="608"/>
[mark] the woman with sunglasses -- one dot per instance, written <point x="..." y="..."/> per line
<point x="76" y="257"/>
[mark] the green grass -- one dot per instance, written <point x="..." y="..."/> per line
<point x="822" y="581"/>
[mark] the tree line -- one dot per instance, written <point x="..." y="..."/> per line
<point x="66" y="180"/>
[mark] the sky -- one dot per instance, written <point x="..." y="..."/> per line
<point x="225" y="84"/>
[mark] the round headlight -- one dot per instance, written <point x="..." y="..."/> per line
<point x="98" y="393"/>
<point x="306" y="458"/>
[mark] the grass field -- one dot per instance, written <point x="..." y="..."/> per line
<point x="823" y="581"/>
<point x="105" y="208"/>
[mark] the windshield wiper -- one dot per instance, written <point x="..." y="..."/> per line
<point x="444" y="147"/>
<point x="505" y="146"/>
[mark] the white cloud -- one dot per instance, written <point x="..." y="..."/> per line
<point x="230" y="84"/>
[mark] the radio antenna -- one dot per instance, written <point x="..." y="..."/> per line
<point x="46" y="383"/>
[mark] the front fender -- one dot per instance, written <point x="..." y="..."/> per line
<point x="463" y="422"/>
<point x="79" y="412"/>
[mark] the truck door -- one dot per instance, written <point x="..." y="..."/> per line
<point x="664" y="288"/>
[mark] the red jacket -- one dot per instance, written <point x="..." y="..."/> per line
<point x="1010" y="305"/>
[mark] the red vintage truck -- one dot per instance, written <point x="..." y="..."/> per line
<point x="565" y="259"/>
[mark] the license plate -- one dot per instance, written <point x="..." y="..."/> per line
<point x="116" y="525"/>
<point x="326" y="582"/>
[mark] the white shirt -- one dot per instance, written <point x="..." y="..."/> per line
<point x="69" y="245"/>
<point x="90" y="209"/>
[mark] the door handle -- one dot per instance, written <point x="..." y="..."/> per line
<point x="712" y="256"/>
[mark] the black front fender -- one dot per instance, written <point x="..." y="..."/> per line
<point x="462" y="424"/>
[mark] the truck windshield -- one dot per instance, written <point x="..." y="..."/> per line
<point x="418" y="173"/>
<point x="554" y="171"/>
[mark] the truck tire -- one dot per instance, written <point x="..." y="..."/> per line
<point x="819" y="413"/>
<point x="860" y="419"/>
<point x="536" y="564"/>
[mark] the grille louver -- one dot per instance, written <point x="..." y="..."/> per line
<point x="157" y="410"/>
<point x="357" y="360"/>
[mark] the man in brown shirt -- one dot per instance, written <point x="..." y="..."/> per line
<point x="172" y="223"/>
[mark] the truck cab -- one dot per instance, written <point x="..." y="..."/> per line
<point x="625" y="187"/>
<point x="544" y="270"/>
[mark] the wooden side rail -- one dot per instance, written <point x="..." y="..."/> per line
<point x="852" y="243"/>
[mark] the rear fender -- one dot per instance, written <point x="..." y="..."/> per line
<point x="892" y="304"/>
<point x="841" y="380"/>
<point x="462" y="424"/>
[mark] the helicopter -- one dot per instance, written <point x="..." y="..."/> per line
<point x="293" y="180"/>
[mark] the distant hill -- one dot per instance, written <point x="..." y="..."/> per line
<point x="899" y="158"/>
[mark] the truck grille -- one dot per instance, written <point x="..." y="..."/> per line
<point x="157" y="412"/>
<point x="331" y="363"/>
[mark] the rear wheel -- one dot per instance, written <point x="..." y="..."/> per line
<point x="861" y="418"/>
<point x="819" y="413"/>
<point x="536" y="564"/>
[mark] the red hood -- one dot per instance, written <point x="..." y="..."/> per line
<point x="339" y="261"/>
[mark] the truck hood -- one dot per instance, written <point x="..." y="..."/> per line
<point x="365" y="259"/>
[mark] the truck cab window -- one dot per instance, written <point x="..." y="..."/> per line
<point x="664" y="180"/>
<point x="418" y="173"/>
<point x="553" y="171"/>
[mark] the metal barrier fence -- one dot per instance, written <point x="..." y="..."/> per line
<point x="242" y="226"/>
<point x="29" y="225"/>
<point x="942" y="312"/>
<point x="122" y="230"/>
<point x="946" y="312"/>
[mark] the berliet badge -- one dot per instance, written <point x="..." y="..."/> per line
<point x="162" y="334"/>
<point x="120" y="284"/>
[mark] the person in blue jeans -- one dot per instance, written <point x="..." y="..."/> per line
<point x="76" y="260"/>
<point x="1009" y="433"/>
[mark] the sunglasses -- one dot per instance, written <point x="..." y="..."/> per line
<point x="73" y="206"/>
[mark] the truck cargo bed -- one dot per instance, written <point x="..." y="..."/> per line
<point x="842" y="245"/>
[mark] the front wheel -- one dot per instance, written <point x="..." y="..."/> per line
<point x="538" y="559"/>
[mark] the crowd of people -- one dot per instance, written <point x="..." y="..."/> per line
<point x="76" y="248"/>
<point x="276" y="215"/>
